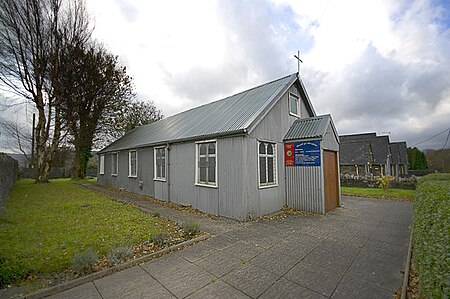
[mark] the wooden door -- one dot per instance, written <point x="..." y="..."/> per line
<point x="330" y="171"/>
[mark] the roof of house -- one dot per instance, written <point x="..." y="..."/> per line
<point x="312" y="127"/>
<point x="378" y="144"/>
<point x="237" y="114"/>
<point x="355" y="153"/>
<point x="399" y="153"/>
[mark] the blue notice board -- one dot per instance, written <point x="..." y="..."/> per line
<point x="307" y="153"/>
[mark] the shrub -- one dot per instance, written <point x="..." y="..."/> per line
<point x="119" y="254"/>
<point x="191" y="228"/>
<point x="159" y="238"/>
<point x="84" y="262"/>
<point x="385" y="181"/>
<point x="431" y="248"/>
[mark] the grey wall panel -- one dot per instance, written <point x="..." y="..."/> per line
<point x="304" y="188"/>
<point x="329" y="141"/>
<point x="230" y="177"/>
<point x="273" y="127"/>
<point x="161" y="191"/>
<point x="182" y="167"/>
<point x="145" y="171"/>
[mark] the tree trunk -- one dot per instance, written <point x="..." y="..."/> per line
<point x="41" y="169"/>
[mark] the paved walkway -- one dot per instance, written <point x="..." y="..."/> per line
<point x="357" y="251"/>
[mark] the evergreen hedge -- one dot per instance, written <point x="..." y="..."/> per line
<point x="431" y="239"/>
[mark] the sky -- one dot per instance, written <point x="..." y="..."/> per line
<point x="374" y="65"/>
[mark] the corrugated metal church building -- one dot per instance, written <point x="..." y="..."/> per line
<point x="240" y="157"/>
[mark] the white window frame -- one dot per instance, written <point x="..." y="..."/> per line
<point x="297" y="99"/>
<point x="101" y="166"/>
<point x="114" y="172"/>
<point x="197" y="172"/>
<point x="130" y="175"/>
<point x="155" y="177"/>
<point x="275" y="165"/>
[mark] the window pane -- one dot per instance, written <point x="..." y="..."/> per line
<point x="212" y="174"/>
<point x="158" y="171"/>
<point x="270" y="149"/>
<point x="163" y="171"/>
<point x="133" y="163"/>
<point x="202" y="149"/>
<point x="202" y="174"/>
<point x="212" y="161"/>
<point x="270" y="170"/>
<point x="163" y="152"/>
<point x="211" y="149"/>
<point x="293" y="102"/>
<point x="262" y="148"/>
<point x="262" y="170"/>
<point x="202" y="162"/>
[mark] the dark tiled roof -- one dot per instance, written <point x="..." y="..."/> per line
<point x="399" y="153"/>
<point x="355" y="153"/>
<point x="378" y="144"/>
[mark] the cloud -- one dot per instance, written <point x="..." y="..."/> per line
<point x="259" y="41"/>
<point x="375" y="65"/>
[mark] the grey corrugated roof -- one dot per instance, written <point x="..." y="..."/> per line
<point x="313" y="127"/>
<point x="232" y="115"/>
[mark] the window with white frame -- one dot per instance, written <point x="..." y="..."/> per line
<point x="101" y="167"/>
<point x="132" y="164"/>
<point x="160" y="163"/>
<point x="114" y="163"/>
<point x="206" y="161"/>
<point x="267" y="155"/>
<point x="293" y="105"/>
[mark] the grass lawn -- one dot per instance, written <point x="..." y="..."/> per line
<point x="42" y="226"/>
<point x="401" y="194"/>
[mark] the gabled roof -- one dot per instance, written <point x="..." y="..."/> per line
<point x="378" y="144"/>
<point x="312" y="127"/>
<point x="355" y="153"/>
<point x="237" y="114"/>
<point x="399" y="153"/>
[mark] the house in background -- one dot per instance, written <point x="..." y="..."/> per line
<point x="228" y="157"/>
<point x="368" y="155"/>
<point x="399" y="159"/>
<point x="356" y="158"/>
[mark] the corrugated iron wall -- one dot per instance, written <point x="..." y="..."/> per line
<point x="304" y="188"/>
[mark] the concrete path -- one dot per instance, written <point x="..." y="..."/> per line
<point x="357" y="251"/>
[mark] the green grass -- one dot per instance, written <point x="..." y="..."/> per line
<point x="431" y="248"/>
<point x="42" y="226"/>
<point x="403" y="194"/>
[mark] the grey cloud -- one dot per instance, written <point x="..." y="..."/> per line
<point x="378" y="94"/>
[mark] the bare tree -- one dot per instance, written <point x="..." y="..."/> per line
<point x="32" y="35"/>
